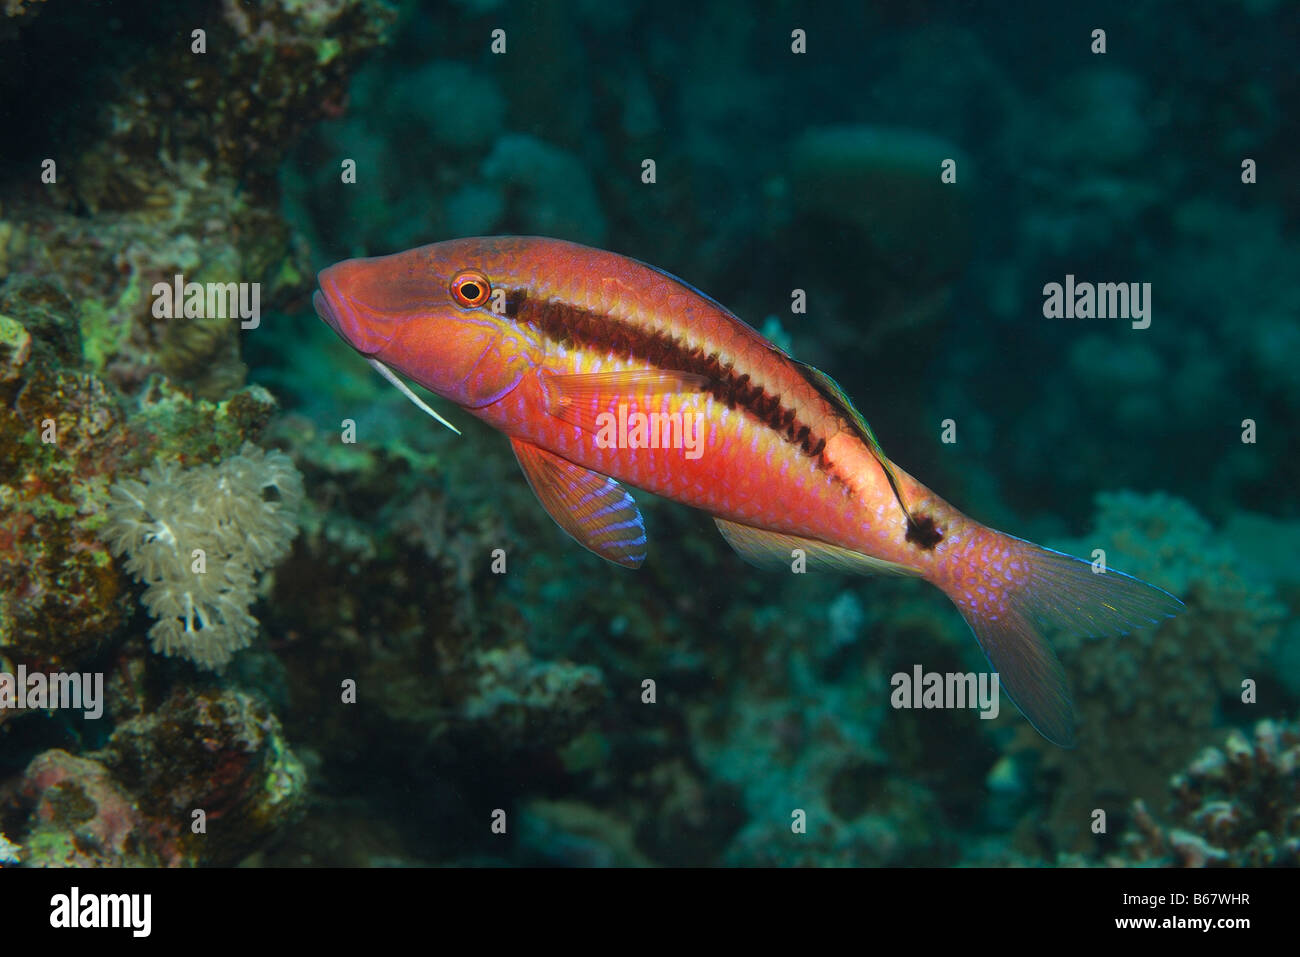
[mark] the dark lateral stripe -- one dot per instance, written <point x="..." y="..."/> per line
<point x="574" y="327"/>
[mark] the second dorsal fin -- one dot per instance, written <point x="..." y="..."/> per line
<point x="832" y="393"/>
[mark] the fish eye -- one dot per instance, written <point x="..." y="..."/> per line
<point x="470" y="288"/>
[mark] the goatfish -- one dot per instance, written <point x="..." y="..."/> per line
<point x="605" y="372"/>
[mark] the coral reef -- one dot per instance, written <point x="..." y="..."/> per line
<point x="61" y="430"/>
<point x="72" y="813"/>
<point x="134" y="802"/>
<point x="65" y="434"/>
<point x="221" y="752"/>
<point x="412" y="627"/>
<point x="572" y="834"/>
<point x="1237" y="805"/>
<point x="179" y="177"/>
<point x="264" y="73"/>
<point x="165" y="163"/>
<point x="1147" y="700"/>
<point x="198" y="538"/>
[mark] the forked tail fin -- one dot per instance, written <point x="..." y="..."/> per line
<point x="1010" y="591"/>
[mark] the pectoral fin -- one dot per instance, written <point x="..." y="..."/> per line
<point x="580" y="398"/>
<point x="596" y="510"/>
<point x="775" y="551"/>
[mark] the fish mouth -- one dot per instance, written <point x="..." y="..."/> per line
<point x="348" y="318"/>
<point x="325" y="311"/>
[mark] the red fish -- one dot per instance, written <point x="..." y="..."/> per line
<point x="604" y="371"/>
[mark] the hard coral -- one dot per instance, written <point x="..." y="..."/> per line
<point x="1238" y="805"/>
<point x="198" y="538"/>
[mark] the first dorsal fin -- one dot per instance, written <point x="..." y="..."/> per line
<point x="831" y="391"/>
<point x="593" y="508"/>
<point x="773" y="550"/>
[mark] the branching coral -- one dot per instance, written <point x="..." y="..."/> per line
<point x="198" y="538"/>
<point x="1238" y="805"/>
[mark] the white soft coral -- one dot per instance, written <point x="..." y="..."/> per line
<point x="8" y="851"/>
<point x="198" y="538"/>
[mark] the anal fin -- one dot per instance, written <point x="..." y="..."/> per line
<point x="594" y="509"/>
<point x="773" y="551"/>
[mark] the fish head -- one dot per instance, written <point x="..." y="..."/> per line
<point x="432" y="314"/>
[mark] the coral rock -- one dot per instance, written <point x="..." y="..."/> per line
<point x="79" y="816"/>
<point x="221" y="752"/>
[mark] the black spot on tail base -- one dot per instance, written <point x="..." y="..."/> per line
<point x="922" y="530"/>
